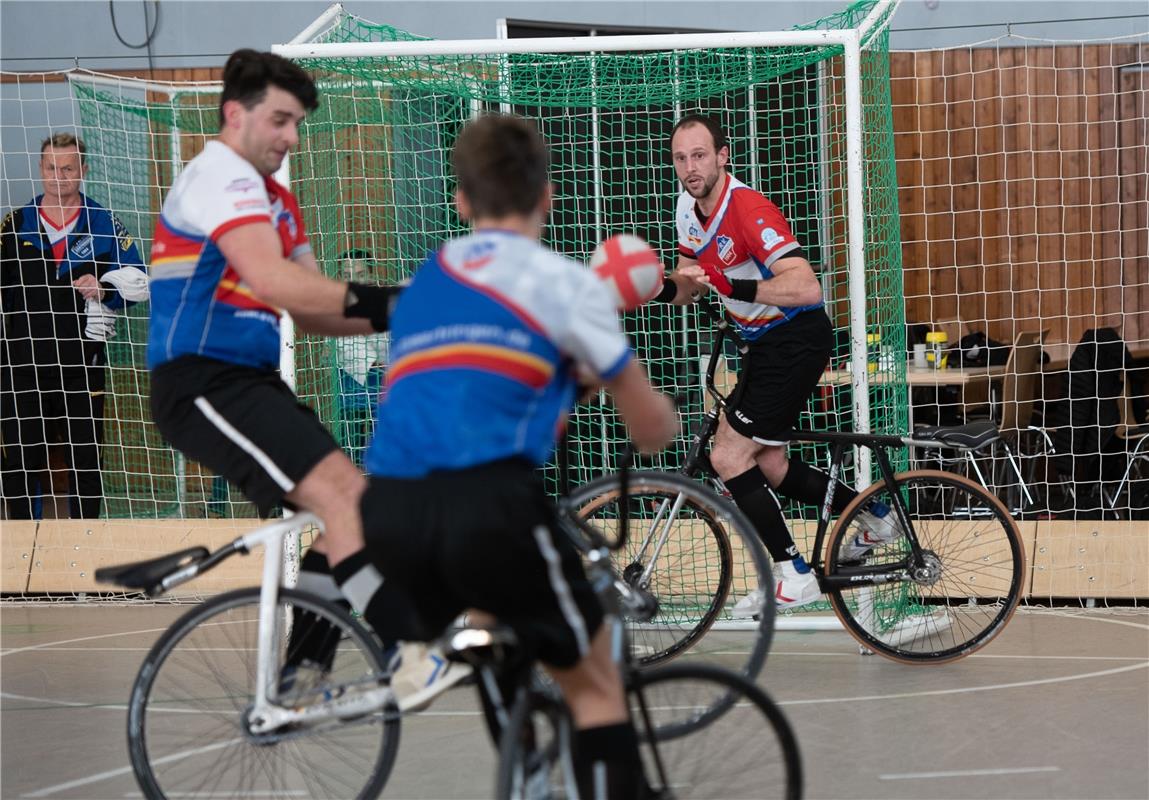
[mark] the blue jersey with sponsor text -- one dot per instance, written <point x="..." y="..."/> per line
<point x="484" y="349"/>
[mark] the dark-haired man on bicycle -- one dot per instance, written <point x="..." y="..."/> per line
<point x="230" y="255"/>
<point x="486" y="341"/>
<point x="736" y="242"/>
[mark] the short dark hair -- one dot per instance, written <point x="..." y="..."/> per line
<point x="711" y="124"/>
<point x="501" y="163"/>
<point x="62" y="140"/>
<point x="248" y="73"/>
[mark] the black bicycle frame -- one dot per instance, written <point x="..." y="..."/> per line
<point x="697" y="463"/>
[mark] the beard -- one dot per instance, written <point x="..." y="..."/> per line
<point x="706" y="188"/>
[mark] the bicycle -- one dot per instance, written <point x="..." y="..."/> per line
<point x="208" y="716"/>
<point x="959" y="549"/>
<point x="704" y="731"/>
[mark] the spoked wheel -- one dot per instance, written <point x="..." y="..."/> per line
<point x="693" y="551"/>
<point x="689" y="748"/>
<point x="190" y="723"/>
<point x="957" y="596"/>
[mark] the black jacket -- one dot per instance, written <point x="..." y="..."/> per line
<point x="44" y="315"/>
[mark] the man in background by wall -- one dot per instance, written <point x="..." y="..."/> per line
<point x="66" y="265"/>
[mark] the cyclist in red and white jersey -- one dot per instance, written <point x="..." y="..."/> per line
<point x="733" y="240"/>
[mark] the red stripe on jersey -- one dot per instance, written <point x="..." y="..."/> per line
<point x="515" y="370"/>
<point x="232" y="224"/>
<point x="499" y="298"/>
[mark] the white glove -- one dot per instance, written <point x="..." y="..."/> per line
<point x="131" y="283"/>
<point x="101" y="322"/>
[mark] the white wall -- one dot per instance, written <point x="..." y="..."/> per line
<point x="48" y="34"/>
<point x="53" y="35"/>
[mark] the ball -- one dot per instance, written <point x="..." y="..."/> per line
<point x="630" y="268"/>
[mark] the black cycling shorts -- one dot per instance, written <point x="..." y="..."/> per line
<point x="240" y="422"/>
<point x="484" y="538"/>
<point x="778" y="376"/>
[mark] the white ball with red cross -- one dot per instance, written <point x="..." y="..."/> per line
<point x="630" y="268"/>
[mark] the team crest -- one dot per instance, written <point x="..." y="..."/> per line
<point x="478" y="255"/>
<point x="770" y="238"/>
<point x="82" y="248"/>
<point x="287" y="220"/>
<point x="725" y="249"/>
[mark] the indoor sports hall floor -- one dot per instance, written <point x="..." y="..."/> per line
<point x="1056" y="707"/>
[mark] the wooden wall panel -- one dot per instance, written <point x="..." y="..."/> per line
<point x="1026" y="207"/>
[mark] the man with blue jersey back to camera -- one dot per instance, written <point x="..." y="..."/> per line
<point x="486" y="343"/>
<point x="733" y="240"/>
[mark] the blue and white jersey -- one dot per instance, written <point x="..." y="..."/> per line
<point x="200" y="304"/>
<point x="484" y="346"/>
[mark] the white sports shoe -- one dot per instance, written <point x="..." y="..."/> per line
<point x="873" y="528"/>
<point x="793" y="589"/>
<point x="422" y="674"/>
<point x="749" y="607"/>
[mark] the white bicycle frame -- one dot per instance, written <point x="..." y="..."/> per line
<point x="267" y="715"/>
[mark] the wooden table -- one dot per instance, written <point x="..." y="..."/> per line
<point x="919" y="376"/>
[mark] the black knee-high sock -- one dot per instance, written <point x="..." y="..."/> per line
<point x="807" y="484"/>
<point x="313" y="638"/>
<point x="607" y="764"/>
<point x="757" y="500"/>
<point x="386" y="607"/>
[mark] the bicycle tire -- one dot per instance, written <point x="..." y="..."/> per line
<point x="978" y="558"/>
<point x="697" y="552"/>
<point x="186" y="719"/>
<point x="689" y="749"/>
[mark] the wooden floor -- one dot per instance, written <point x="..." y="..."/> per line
<point x="1056" y="707"/>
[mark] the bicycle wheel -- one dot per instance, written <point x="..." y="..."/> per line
<point x="693" y="550"/>
<point x="689" y="749"/>
<point x="961" y="596"/>
<point x="188" y="735"/>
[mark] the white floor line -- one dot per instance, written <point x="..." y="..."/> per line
<point x="965" y="773"/>
<point x="966" y="689"/>
<point x="114" y="773"/>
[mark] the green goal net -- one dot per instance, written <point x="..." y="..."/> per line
<point x="373" y="178"/>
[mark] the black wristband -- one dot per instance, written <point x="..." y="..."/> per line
<point x="373" y="303"/>
<point x="668" y="293"/>
<point x="743" y="289"/>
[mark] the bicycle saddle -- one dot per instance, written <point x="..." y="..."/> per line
<point x="481" y="646"/>
<point x="146" y="575"/>
<point x="968" y="437"/>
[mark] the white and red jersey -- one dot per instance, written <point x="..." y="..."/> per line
<point x="200" y="304"/>
<point x="742" y="239"/>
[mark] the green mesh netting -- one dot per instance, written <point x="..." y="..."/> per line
<point x="373" y="177"/>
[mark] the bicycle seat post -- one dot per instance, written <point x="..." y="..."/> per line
<point x="271" y="537"/>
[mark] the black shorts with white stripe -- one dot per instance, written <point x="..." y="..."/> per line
<point x="240" y="422"/>
<point x="484" y="538"/>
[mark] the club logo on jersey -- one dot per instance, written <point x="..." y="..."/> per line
<point x="478" y="255"/>
<point x="286" y="220"/>
<point x="242" y="185"/>
<point x="725" y="249"/>
<point x="82" y="248"/>
<point x="770" y="238"/>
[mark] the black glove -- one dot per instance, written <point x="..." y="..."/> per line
<point x="373" y="303"/>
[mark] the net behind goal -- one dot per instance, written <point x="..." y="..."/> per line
<point x="376" y="176"/>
